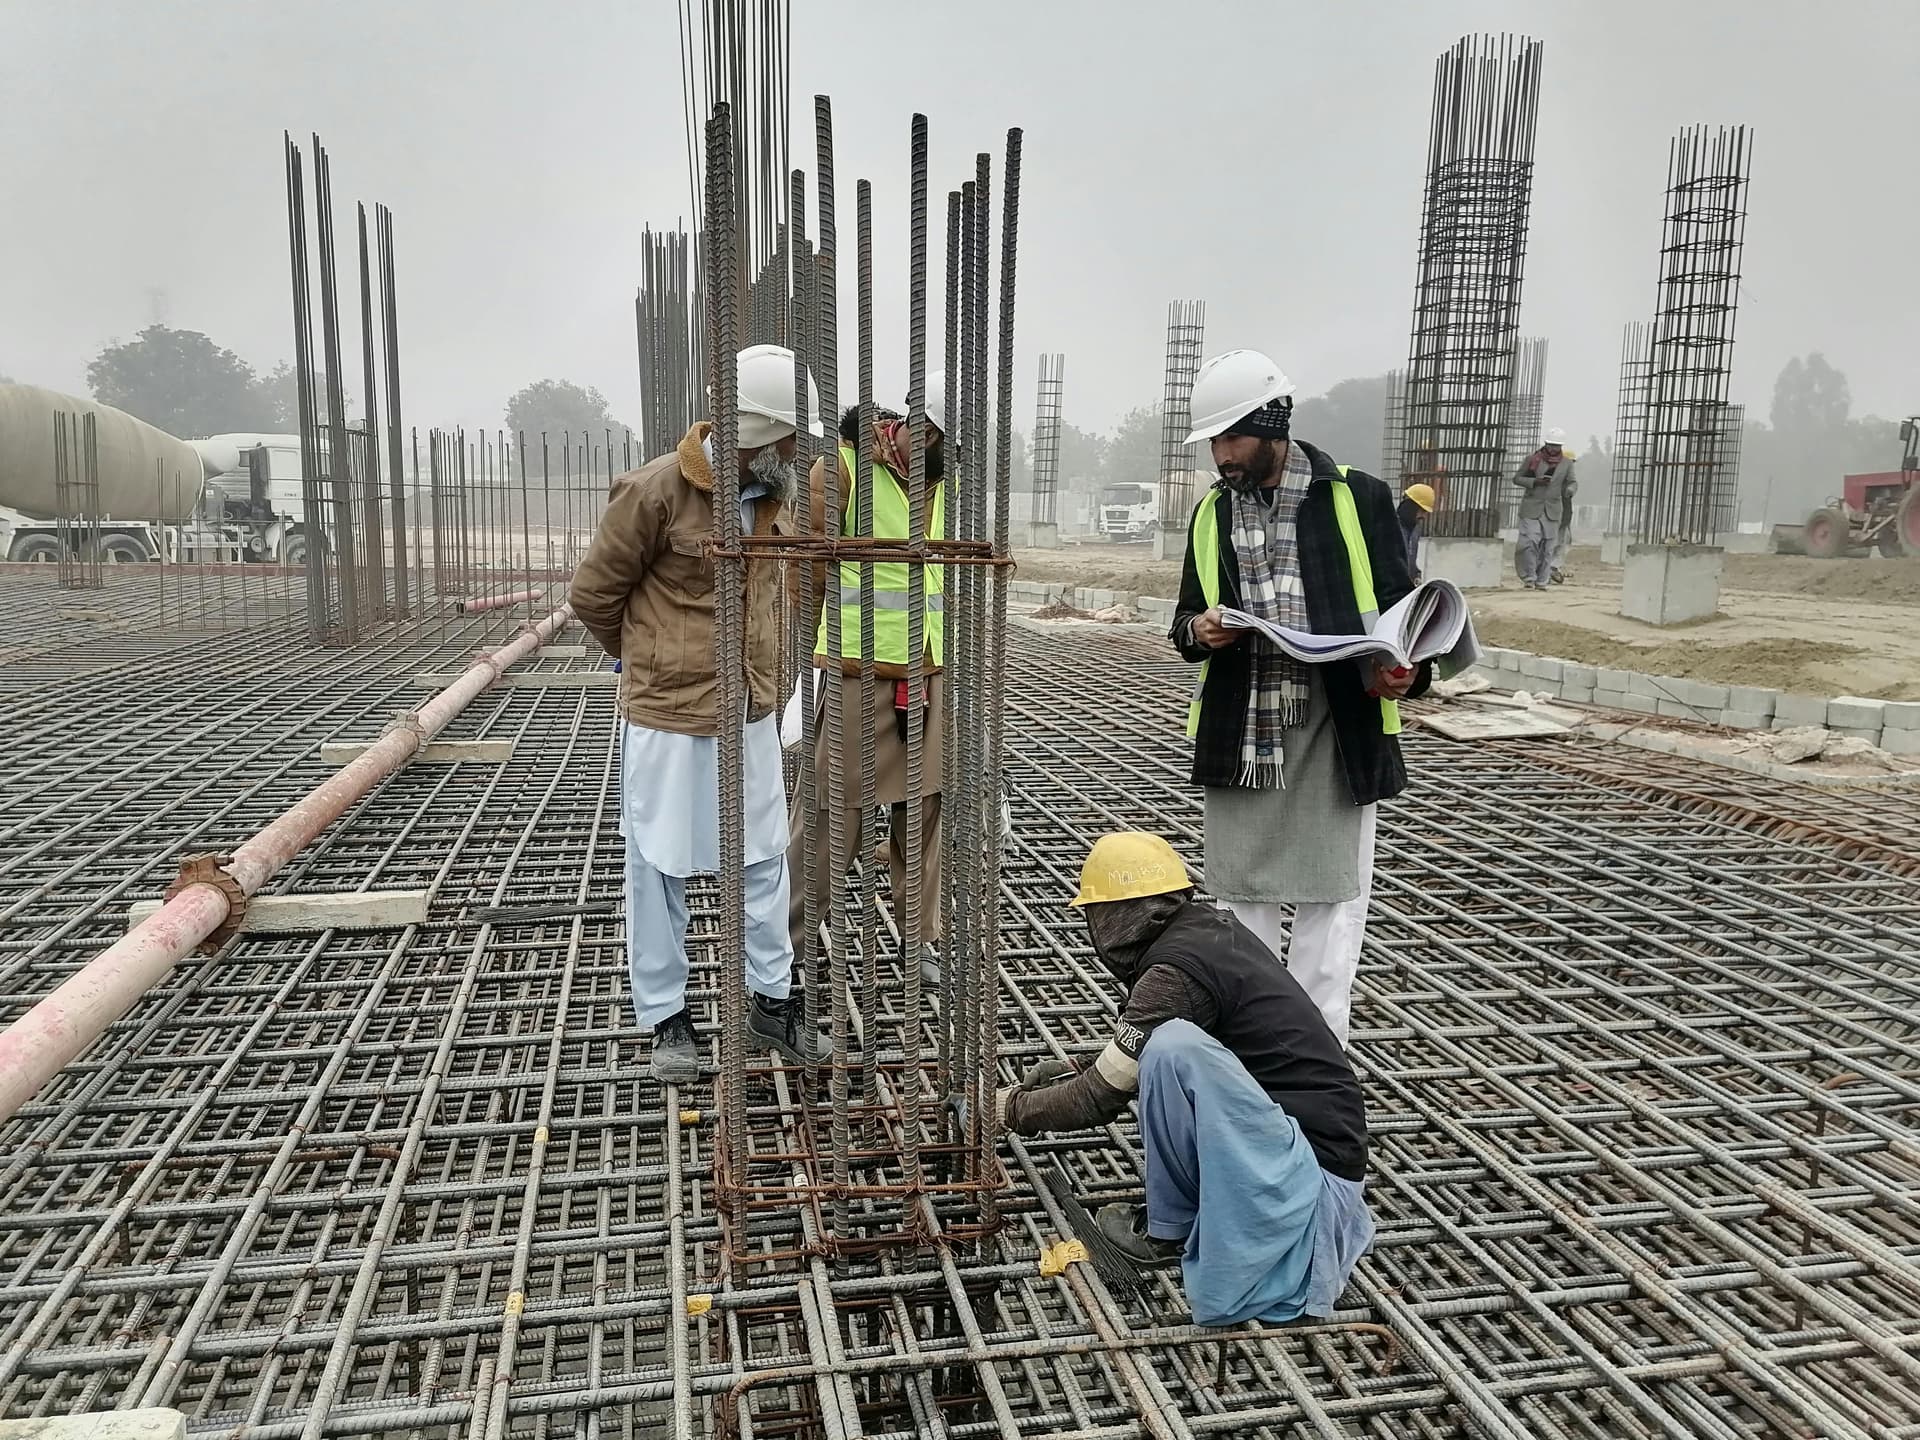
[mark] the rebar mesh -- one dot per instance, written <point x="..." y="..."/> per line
<point x="76" y="500"/>
<point x="1628" y="481"/>
<point x="1393" y="432"/>
<point x="667" y="309"/>
<point x="1473" y="238"/>
<point x="1046" y="439"/>
<point x="1524" y="413"/>
<point x="1186" y="335"/>
<point x="1688" y="494"/>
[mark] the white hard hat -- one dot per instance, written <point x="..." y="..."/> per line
<point x="1556" y="436"/>
<point x="936" y="401"/>
<point x="1230" y="387"/>
<point x="765" y="396"/>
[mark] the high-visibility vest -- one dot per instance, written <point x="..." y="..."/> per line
<point x="892" y="518"/>
<point x="1206" y="560"/>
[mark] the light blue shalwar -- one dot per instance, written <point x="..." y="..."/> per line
<point x="1269" y="1234"/>
<point x="670" y="816"/>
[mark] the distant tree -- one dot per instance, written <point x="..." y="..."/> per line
<point x="280" y="399"/>
<point x="1020" y="470"/>
<point x="180" y="381"/>
<point x="1133" y="452"/>
<point x="1810" y="397"/>
<point x="557" y="406"/>
<point x="1082" y="454"/>
<point x="1346" y="421"/>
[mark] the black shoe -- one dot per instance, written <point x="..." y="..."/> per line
<point x="675" y="1059"/>
<point x="781" y="1025"/>
<point x="1125" y="1228"/>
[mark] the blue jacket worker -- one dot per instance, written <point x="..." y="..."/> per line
<point x="1251" y="1120"/>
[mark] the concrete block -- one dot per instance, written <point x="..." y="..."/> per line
<point x="1575" y="677"/>
<point x="1678" y="710"/>
<point x="112" y="1425"/>
<point x="1745" y="719"/>
<point x="1871" y="734"/>
<point x="1640" y="704"/>
<point x="1605" y="679"/>
<point x="1856" y="712"/>
<point x="1542" y="667"/>
<point x="1659" y="687"/>
<point x="1900" y="742"/>
<point x="1470" y="563"/>
<point x="1671" y="584"/>
<point x="1791" y="710"/>
<point x="1700" y="695"/>
<point x="1612" y="699"/>
<point x="1613" y="549"/>
<point x="1901" y="715"/>
<point x="1750" y="700"/>
<point x="1581" y="694"/>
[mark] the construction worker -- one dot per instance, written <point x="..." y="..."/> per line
<point x="1416" y="503"/>
<point x="1546" y="486"/>
<point x="1293" y="758"/>
<point x="1251" y="1121"/>
<point x="646" y="592"/>
<point x="881" y="708"/>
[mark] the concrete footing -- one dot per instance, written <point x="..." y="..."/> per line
<point x="1043" y="535"/>
<point x="110" y="1425"/>
<point x="1169" y="544"/>
<point x="1470" y="562"/>
<point x="1671" y="584"/>
<point x="1613" y="548"/>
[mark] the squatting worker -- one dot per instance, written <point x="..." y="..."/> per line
<point x="1546" y="483"/>
<point x="1251" y="1121"/>
<point x="1416" y="504"/>
<point x="1293" y="757"/>
<point x="646" y="592"/>
<point x="883" y="707"/>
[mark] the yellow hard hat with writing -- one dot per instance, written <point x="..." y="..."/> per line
<point x="1128" y="865"/>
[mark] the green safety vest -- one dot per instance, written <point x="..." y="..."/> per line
<point x="1206" y="560"/>
<point x="892" y="518"/>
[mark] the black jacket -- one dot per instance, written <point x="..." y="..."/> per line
<point x="1375" y="770"/>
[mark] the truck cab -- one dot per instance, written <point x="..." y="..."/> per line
<point x="253" y="494"/>
<point x="1129" y="511"/>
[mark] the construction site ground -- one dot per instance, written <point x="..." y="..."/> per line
<point x="1818" y="627"/>
<point x="1638" y="1039"/>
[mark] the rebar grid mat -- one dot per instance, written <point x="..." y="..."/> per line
<point x="1472" y="261"/>
<point x="138" y="609"/>
<point x="1641" y="1078"/>
<point x="1689" y="493"/>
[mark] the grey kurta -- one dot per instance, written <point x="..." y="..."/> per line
<point x="1300" y="844"/>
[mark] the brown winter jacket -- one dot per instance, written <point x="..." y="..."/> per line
<point x="817" y="525"/>
<point x="645" y="591"/>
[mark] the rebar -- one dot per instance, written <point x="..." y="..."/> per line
<point x="1689" y="494"/>
<point x="1472" y="260"/>
<point x="1046" y="439"/>
<point x="1186" y="336"/>
<point x="76" y="498"/>
<point x="1627" y="489"/>
<point x="1524" y="414"/>
<point x="1393" y="432"/>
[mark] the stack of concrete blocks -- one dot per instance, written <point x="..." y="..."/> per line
<point x="1893" y="725"/>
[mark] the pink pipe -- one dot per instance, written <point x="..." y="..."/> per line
<point x="494" y="602"/>
<point x="35" y="1047"/>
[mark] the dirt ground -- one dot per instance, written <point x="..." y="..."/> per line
<point x="1820" y="627"/>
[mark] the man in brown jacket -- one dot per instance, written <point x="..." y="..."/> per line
<point x="881" y="707"/>
<point x="646" y="592"/>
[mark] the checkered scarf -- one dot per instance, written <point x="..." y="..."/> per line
<point x="1264" y="545"/>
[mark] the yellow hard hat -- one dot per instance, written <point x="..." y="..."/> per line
<point x="1421" y="495"/>
<point x="1127" y="865"/>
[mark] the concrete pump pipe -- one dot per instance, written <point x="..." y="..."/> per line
<point x="138" y="463"/>
<point x="36" y="1046"/>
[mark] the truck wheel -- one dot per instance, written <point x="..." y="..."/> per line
<point x="120" y="550"/>
<point x="35" y="549"/>
<point x="293" y="549"/>
<point x="1827" y="533"/>
<point x="1906" y="522"/>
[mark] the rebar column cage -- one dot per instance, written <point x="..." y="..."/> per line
<point x="1186" y="334"/>
<point x="76" y="500"/>
<point x="1473" y="241"/>
<point x="893" y="1143"/>
<point x="1046" y="439"/>
<point x="1393" y="432"/>
<point x="666" y="316"/>
<point x="1524" y="413"/>
<point x="1687" y="494"/>
<point x="1628" y="478"/>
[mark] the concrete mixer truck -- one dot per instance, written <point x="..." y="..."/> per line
<point x="230" y="497"/>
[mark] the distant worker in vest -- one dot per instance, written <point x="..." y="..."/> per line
<point x="883" y="707"/>
<point x="1546" y="483"/>
<point x="1416" y="504"/>
<point x="1293" y="758"/>
<point x="1252" y="1124"/>
<point x="645" y="590"/>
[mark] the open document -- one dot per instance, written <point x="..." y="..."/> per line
<point x="1431" y="623"/>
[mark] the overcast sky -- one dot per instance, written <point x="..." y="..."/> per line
<point x="1265" y="157"/>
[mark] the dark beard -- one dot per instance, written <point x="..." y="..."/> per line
<point x="1262" y="471"/>
<point x="935" y="461"/>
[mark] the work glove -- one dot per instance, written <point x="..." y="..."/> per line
<point x="1045" y="1073"/>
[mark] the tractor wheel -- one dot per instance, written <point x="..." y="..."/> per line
<point x="1906" y="521"/>
<point x="120" y="550"/>
<point x="293" y="549"/>
<point x="36" y="549"/>
<point x="1827" y="533"/>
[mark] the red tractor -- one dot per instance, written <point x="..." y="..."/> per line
<point x="1881" y="509"/>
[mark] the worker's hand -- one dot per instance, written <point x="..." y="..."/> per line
<point x="1208" y="631"/>
<point x="1390" y="681"/>
<point x="1043" y="1074"/>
